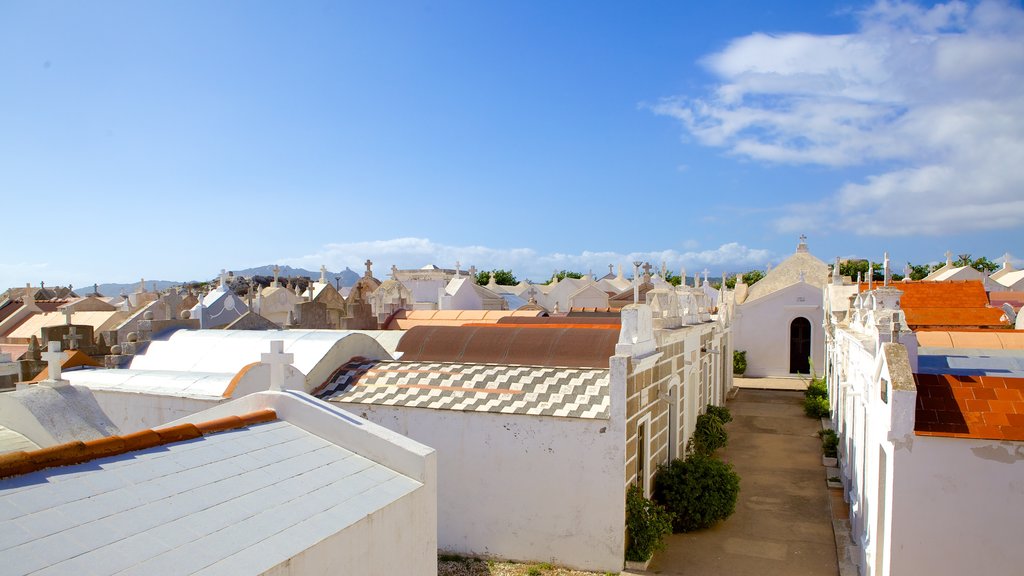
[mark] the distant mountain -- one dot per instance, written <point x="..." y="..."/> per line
<point x="348" y="277"/>
<point x="115" y="289"/>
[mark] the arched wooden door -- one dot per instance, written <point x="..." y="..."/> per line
<point x="800" y="346"/>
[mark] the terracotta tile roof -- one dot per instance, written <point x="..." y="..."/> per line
<point x="8" y="308"/>
<point x="72" y="359"/>
<point x="983" y="407"/>
<point x="24" y="462"/>
<point x="953" y="303"/>
<point x="555" y="323"/>
<point x="992" y="339"/>
<point x="406" y="319"/>
<point x="510" y="344"/>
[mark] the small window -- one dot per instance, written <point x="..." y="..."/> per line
<point x="641" y="456"/>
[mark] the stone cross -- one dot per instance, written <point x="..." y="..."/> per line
<point x="67" y="316"/>
<point x="610" y="267"/>
<point x="277" y="359"/>
<point x="532" y="292"/>
<point x="457" y="267"/>
<point x="885" y="269"/>
<point x="323" y="274"/>
<point x="73" y="337"/>
<point x="53" y="357"/>
<point x="647" y="269"/>
<point x="95" y="288"/>
<point x="803" y="238"/>
<point x="277" y="271"/>
<point x="1006" y="261"/>
<point x="394" y="272"/>
<point x="706" y="272"/>
<point x="664" y="269"/>
<point x="369" y="269"/>
<point x="636" y="281"/>
<point x="142" y="285"/>
<point x="949" y="258"/>
<point x="223" y="279"/>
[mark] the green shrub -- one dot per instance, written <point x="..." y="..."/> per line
<point x="647" y="524"/>
<point x="708" y="435"/>
<point x="817" y="389"/>
<point x="720" y="412"/>
<point x="697" y="491"/>
<point x="829" y="443"/>
<point x="816" y="406"/>
<point x="739" y="361"/>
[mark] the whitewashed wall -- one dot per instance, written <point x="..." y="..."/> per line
<point x="761" y="327"/>
<point x="528" y="488"/>
<point x="959" y="507"/>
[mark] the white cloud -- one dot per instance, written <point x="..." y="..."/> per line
<point x="524" y="262"/>
<point x="929" y="101"/>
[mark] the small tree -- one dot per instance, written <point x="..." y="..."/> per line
<point x="562" y="275"/>
<point x="501" y="277"/>
<point x="647" y="524"/>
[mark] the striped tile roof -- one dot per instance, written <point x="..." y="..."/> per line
<point x="503" y="389"/>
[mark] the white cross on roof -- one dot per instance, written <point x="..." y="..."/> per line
<point x="53" y="357"/>
<point x="278" y="359"/>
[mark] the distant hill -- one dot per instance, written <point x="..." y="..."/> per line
<point x="348" y="278"/>
<point x="111" y="289"/>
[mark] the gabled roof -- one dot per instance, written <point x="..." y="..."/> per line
<point x="984" y="407"/>
<point x="788" y="273"/>
<point x="956" y="303"/>
<point x="502" y="389"/>
<point x="72" y="359"/>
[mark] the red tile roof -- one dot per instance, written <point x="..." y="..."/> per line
<point x="25" y="462"/>
<point x="953" y="303"/>
<point x="984" y="407"/>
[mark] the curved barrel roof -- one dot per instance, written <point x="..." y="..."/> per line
<point x="531" y="345"/>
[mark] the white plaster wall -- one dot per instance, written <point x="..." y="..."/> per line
<point x="132" y="411"/>
<point x="761" y="327"/>
<point x="958" y="507"/>
<point x="521" y="487"/>
<point x="398" y="539"/>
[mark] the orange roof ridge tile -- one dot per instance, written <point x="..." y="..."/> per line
<point x="548" y="326"/>
<point x="76" y="452"/>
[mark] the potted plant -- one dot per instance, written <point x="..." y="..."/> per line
<point x="829" y="448"/>
<point x="647" y="524"/>
<point x="739" y="362"/>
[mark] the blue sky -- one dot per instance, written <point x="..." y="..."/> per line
<point x="168" y="140"/>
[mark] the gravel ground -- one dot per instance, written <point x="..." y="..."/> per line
<point x="461" y="566"/>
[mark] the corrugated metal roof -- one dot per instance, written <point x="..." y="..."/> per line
<point x="519" y="345"/>
<point x="531" y="390"/>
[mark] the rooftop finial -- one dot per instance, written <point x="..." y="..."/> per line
<point x="369" y="268"/>
<point x="323" y="274"/>
<point x="802" y="246"/>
